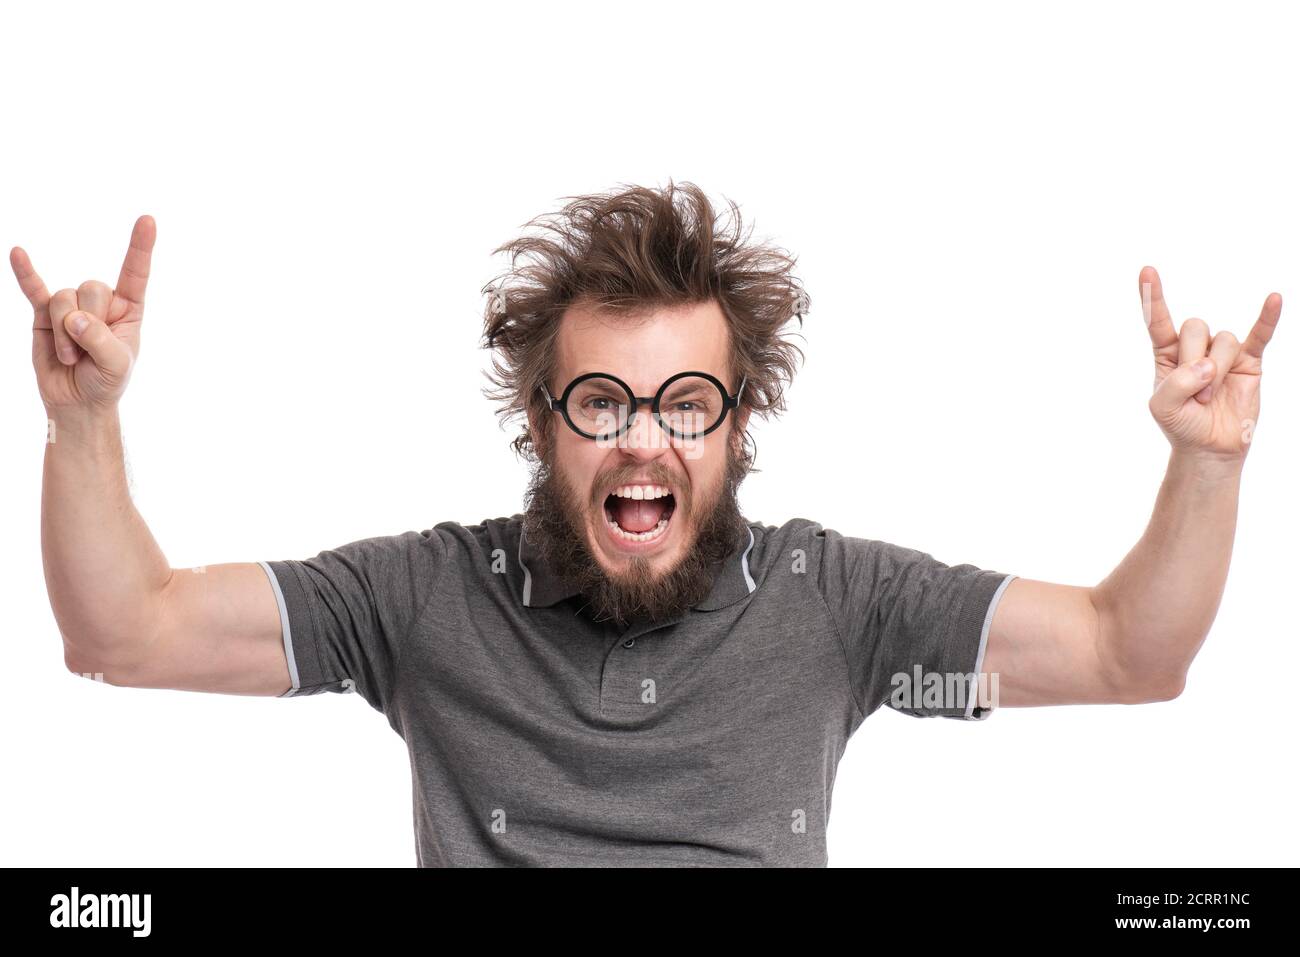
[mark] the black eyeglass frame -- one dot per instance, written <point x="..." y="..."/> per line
<point x="561" y="405"/>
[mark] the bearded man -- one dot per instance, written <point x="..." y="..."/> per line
<point x="630" y="672"/>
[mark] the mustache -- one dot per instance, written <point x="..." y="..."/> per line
<point x="601" y="486"/>
<point x="555" y="520"/>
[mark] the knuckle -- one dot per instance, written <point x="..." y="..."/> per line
<point x="92" y="287"/>
<point x="1194" y="325"/>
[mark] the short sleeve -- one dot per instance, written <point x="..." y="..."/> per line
<point x="345" y="613"/>
<point x="914" y="629"/>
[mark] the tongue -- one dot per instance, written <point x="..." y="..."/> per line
<point x="635" y="515"/>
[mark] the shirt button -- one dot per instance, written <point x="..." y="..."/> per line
<point x="629" y="643"/>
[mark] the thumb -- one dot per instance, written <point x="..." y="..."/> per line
<point x="110" y="355"/>
<point x="1179" y="386"/>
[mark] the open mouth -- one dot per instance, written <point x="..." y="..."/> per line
<point x="639" y="514"/>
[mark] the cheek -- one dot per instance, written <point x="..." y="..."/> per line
<point x="704" y="469"/>
<point x="580" y="463"/>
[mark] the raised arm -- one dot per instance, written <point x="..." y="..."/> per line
<point x="1132" y="638"/>
<point x="123" y="612"/>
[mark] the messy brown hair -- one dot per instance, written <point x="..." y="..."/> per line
<point x="627" y="252"/>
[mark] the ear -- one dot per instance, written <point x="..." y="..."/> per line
<point x="536" y="430"/>
<point x="742" y="418"/>
<point x="740" y="422"/>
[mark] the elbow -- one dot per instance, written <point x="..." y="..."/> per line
<point x="1157" y="678"/>
<point x="96" y="662"/>
<point x="82" y="662"/>
<point x="1129" y="685"/>
<point x="1171" y="688"/>
<point x="1151" y="689"/>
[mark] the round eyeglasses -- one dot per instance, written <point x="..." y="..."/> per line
<point x="602" y="407"/>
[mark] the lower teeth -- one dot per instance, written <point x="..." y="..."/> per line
<point x="639" y="536"/>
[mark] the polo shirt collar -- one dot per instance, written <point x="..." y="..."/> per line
<point x="543" y="588"/>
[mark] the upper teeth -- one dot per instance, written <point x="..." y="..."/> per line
<point x="640" y="491"/>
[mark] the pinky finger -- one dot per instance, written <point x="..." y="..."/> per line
<point x="1262" y="331"/>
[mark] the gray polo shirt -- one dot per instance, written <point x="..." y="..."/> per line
<point x="538" y="736"/>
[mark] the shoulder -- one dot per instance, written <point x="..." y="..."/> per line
<point x="795" y="543"/>
<point x="827" y="555"/>
<point x="486" y="541"/>
<point x="772" y="542"/>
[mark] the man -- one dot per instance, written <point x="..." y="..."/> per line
<point x="630" y="672"/>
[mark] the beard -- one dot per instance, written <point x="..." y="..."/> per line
<point x="555" y="521"/>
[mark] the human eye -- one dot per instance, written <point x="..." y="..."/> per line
<point x="689" y="402"/>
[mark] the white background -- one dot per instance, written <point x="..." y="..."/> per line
<point x="971" y="192"/>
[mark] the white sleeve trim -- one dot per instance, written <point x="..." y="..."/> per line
<point x="979" y="658"/>
<point x="285" y="634"/>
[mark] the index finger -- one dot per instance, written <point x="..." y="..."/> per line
<point x="1154" y="309"/>
<point x="133" y="278"/>
<point x="1262" y="331"/>
<point x="30" y="283"/>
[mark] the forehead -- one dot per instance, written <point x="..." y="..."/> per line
<point x="644" y="349"/>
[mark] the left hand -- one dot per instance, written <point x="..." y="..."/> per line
<point x="1211" y="413"/>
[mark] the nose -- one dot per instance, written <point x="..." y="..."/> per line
<point x="644" y="440"/>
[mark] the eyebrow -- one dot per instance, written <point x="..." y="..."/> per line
<point x="720" y="378"/>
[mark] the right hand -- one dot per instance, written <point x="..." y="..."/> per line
<point x="87" y="366"/>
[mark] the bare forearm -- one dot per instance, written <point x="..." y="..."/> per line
<point x="104" y="571"/>
<point x="1157" y="606"/>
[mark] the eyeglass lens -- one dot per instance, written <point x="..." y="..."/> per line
<point x="601" y="407"/>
